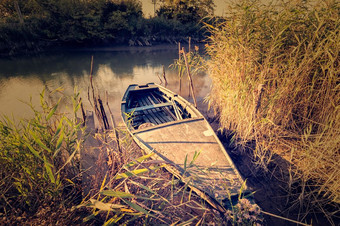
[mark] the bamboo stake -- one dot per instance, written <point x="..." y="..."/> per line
<point x="159" y="78"/>
<point x="103" y="114"/>
<point x="189" y="76"/>
<point x="82" y="111"/>
<point x="96" y="110"/>
<point x="179" y="69"/>
<point x="165" y="81"/>
<point x="113" y="124"/>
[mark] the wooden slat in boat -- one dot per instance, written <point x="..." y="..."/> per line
<point x="151" y="106"/>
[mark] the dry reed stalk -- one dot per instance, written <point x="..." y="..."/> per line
<point x="292" y="49"/>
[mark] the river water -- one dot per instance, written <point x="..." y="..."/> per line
<point x="22" y="79"/>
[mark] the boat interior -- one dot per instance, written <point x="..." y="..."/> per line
<point x="148" y="106"/>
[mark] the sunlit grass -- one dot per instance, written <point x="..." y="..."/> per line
<point x="137" y="189"/>
<point x="39" y="158"/>
<point x="275" y="72"/>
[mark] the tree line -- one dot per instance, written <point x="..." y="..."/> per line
<point x="34" y="24"/>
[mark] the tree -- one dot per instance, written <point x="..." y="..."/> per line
<point x="186" y="11"/>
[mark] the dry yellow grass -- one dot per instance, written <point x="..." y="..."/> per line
<point x="275" y="72"/>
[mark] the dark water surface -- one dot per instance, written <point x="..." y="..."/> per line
<point x="113" y="70"/>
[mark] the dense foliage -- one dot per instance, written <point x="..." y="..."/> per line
<point x="186" y="11"/>
<point x="30" y="25"/>
<point x="39" y="159"/>
<point x="275" y="72"/>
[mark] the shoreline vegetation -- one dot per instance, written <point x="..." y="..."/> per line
<point x="28" y="27"/>
<point x="275" y="86"/>
<point x="275" y="94"/>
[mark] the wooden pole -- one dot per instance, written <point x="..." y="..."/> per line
<point x="82" y="111"/>
<point x="189" y="76"/>
<point x="95" y="103"/>
<point x="159" y="78"/>
<point x="113" y="124"/>
<point x="165" y="81"/>
<point x="179" y="69"/>
<point x="103" y="114"/>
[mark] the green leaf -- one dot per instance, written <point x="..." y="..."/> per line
<point x="71" y="156"/>
<point x="91" y="216"/>
<point x="39" y="142"/>
<point x="119" y="194"/>
<point x="105" y="206"/>
<point x="111" y="221"/>
<point x="140" y="159"/>
<point x="185" y="162"/>
<point x="60" y="140"/>
<point x="48" y="167"/>
<point x="34" y="152"/>
<point x="59" y="127"/>
<point x="194" y="158"/>
<point x="130" y="173"/>
<point x="138" y="208"/>
<point x="53" y="110"/>
<point x="143" y="186"/>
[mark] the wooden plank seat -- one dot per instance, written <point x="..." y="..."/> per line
<point x="158" y="113"/>
<point x="150" y="115"/>
<point x="148" y="107"/>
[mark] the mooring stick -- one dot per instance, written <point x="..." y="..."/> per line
<point x="113" y="124"/>
<point x="179" y="69"/>
<point x="165" y="81"/>
<point x="159" y="78"/>
<point x="82" y="111"/>
<point x="95" y="103"/>
<point x="189" y="76"/>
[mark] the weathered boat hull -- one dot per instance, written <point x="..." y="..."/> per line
<point x="178" y="133"/>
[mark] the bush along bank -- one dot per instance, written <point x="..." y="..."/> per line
<point x="275" y="74"/>
<point x="78" y="23"/>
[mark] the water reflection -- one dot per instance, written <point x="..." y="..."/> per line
<point x="113" y="71"/>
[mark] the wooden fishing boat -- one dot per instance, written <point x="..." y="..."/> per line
<point x="166" y="124"/>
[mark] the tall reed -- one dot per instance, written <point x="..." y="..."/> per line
<point x="275" y="74"/>
<point x="38" y="158"/>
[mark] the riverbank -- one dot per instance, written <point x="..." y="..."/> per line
<point x="34" y="48"/>
<point x="27" y="27"/>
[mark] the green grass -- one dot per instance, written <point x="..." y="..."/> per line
<point x="275" y="74"/>
<point x="39" y="158"/>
